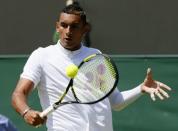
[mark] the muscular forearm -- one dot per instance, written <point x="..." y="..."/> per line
<point x="20" y="94"/>
<point x="19" y="102"/>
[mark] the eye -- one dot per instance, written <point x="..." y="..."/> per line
<point x="64" y="25"/>
<point x="75" y="26"/>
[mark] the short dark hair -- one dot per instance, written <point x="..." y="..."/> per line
<point x="75" y="9"/>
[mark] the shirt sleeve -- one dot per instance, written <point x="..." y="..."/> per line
<point x="120" y="100"/>
<point x="32" y="68"/>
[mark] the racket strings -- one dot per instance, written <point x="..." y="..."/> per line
<point x="95" y="79"/>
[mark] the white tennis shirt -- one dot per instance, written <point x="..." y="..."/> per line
<point x="46" y="68"/>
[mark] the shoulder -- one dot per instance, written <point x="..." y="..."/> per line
<point x="43" y="50"/>
<point x="91" y="50"/>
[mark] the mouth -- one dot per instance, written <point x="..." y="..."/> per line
<point x="68" y="39"/>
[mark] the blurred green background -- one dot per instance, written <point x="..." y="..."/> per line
<point x="143" y="115"/>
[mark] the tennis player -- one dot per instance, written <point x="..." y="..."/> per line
<point x="45" y="70"/>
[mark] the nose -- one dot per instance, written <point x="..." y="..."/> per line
<point x="68" y="31"/>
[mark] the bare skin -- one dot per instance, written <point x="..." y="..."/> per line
<point x="19" y="102"/>
<point x="71" y="30"/>
<point x="154" y="88"/>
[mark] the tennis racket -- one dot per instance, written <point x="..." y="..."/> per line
<point x="96" y="78"/>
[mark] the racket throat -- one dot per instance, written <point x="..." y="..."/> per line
<point x="59" y="103"/>
<point x="75" y="96"/>
<point x="55" y="106"/>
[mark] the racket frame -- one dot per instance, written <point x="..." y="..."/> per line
<point x="60" y="103"/>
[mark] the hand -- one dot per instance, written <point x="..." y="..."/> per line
<point x="33" y="118"/>
<point x="154" y="88"/>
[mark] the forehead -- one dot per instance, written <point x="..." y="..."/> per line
<point x="69" y="18"/>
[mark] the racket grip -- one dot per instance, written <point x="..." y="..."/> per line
<point x="47" y="111"/>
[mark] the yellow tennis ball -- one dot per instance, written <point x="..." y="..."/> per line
<point x="71" y="70"/>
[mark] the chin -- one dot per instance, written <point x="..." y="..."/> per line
<point x="67" y="45"/>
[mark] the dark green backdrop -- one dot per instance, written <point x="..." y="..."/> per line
<point x="118" y="26"/>
<point x="143" y="115"/>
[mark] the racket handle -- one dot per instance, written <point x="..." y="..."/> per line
<point x="47" y="111"/>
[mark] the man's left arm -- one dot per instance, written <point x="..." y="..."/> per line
<point x="120" y="100"/>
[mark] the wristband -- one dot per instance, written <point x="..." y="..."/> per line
<point x="25" y="111"/>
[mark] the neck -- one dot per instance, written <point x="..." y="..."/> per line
<point x="70" y="48"/>
<point x="73" y="48"/>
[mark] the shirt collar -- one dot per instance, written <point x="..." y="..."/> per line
<point x="68" y="52"/>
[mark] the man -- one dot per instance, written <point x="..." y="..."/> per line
<point x="46" y="68"/>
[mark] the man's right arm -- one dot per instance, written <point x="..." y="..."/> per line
<point x="19" y="102"/>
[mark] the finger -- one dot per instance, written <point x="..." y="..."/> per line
<point x="152" y="96"/>
<point x="149" y="74"/>
<point x="37" y="120"/>
<point x="159" y="95"/>
<point x="163" y="92"/>
<point x="38" y="126"/>
<point x="44" y="119"/>
<point x="164" y="86"/>
<point x="41" y="120"/>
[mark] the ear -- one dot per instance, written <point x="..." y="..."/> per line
<point x="57" y="27"/>
<point x="87" y="28"/>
